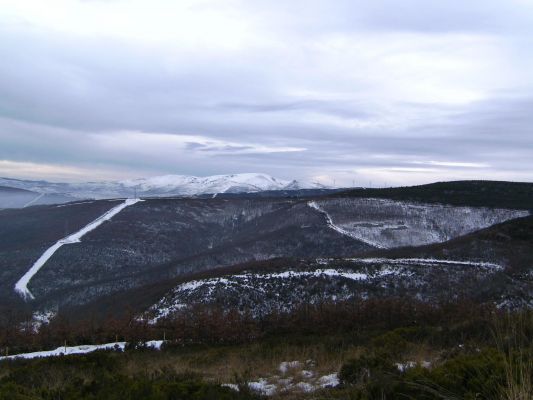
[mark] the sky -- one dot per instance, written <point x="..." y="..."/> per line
<point x="342" y="92"/>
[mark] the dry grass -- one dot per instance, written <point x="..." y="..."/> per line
<point x="231" y="364"/>
<point x="253" y="361"/>
<point x="514" y="341"/>
<point x="420" y="353"/>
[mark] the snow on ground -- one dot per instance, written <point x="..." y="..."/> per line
<point x="185" y="184"/>
<point x="83" y="349"/>
<point x="305" y="381"/>
<point x="74" y="203"/>
<point x="38" y="319"/>
<point x="67" y="350"/>
<point x="428" y="261"/>
<point x="155" y="344"/>
<point x="232" y="386"/>
<point x="291" y="379"/>
<point x="402" y="367"/>
<point x="167" y="185"/>
<point x="384" y="223"/>
<point x="262" y="386"/>
<point x="285" y="366"/>
<point x="38" y="197"/>
<point x="253" y="281"/>
<point x="331" y="380"/>
<point x="353" y="235"/>
<point x="21" y="287"/>
<point x="337" y="283"/>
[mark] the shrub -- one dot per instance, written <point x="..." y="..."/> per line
<point x="372" y="376"/>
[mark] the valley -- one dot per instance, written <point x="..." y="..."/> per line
<point x="112" y="278"/>
<point x="157" y="240"/>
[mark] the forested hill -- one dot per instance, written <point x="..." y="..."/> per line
<point x="517" y="195"/>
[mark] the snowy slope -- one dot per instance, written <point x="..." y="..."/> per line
<point x="386" y="224"/>
<point x="15" y="197"/>
<point x="166" y="185"/>
<point x="174" y="237"/>
<point x="21" y="287"/>
<point x="331" y="224"/>
<point x="192" y="185"/>
<point x="263" y="291"/>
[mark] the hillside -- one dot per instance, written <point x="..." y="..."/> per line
<point x="159" y="239"/>
<point x="14" y="198"/>
<point x="251" y="296"/>
<point x="262" y="291"/>
<point x="516" y="195"/>
<point x="27" y="233"/>
<point x="493" y="265"/>
<point x="508" y="244"/>
<point x="287" y="282"/>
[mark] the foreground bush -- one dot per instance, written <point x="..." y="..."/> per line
<point x="488" y="374"/>
<point x="98" y="376"/>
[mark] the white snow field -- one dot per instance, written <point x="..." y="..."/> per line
<point x="386" y="224"/>
<point x="83" y="349"/>
<point x="21" y="287"/>
<point x="166" y="185"/>
<point x="191" y="185"/>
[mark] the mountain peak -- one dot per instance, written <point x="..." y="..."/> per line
<point x="165" y="185"/>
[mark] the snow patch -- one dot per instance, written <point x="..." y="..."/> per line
<point x="262" y="386"/>
<point x="431" y="261"/>
<point x="285" y="366"/>
<point x="275" y="385"/>
<point x="40" y="318"/>
<point x="402" y="367"/>
<point x="68" y="350"/>
<point x="331" y="380"/>
<point x="83" y="349"/>
<point x="307" y="374"/>
<point x="232" y="386"/>
<point x="155" y="344"/>
<point x="305" y="387"/>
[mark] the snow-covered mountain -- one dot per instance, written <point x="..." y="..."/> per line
<point x="193" y="185"/>
<point x="166" y="185"/>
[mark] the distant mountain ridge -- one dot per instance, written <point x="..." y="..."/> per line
<point x="474" y="193"/>
<point x="11" y="197"/>
<point x="166" y="185"/>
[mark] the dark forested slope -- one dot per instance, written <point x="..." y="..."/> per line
<point x="517" y="195"/>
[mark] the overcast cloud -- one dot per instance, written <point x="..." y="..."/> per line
<point x="393" y="92"/>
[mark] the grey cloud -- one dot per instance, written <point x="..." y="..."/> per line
<point x="414" y="15"/>
<point x="58" y="91"/>
<point x="347" y="109"/>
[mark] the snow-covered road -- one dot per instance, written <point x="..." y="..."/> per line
<point x="430" y="261"/>
<point x="21" y="287"/>
<point x="314" y="205"/>
<point x="33" y="201"/>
